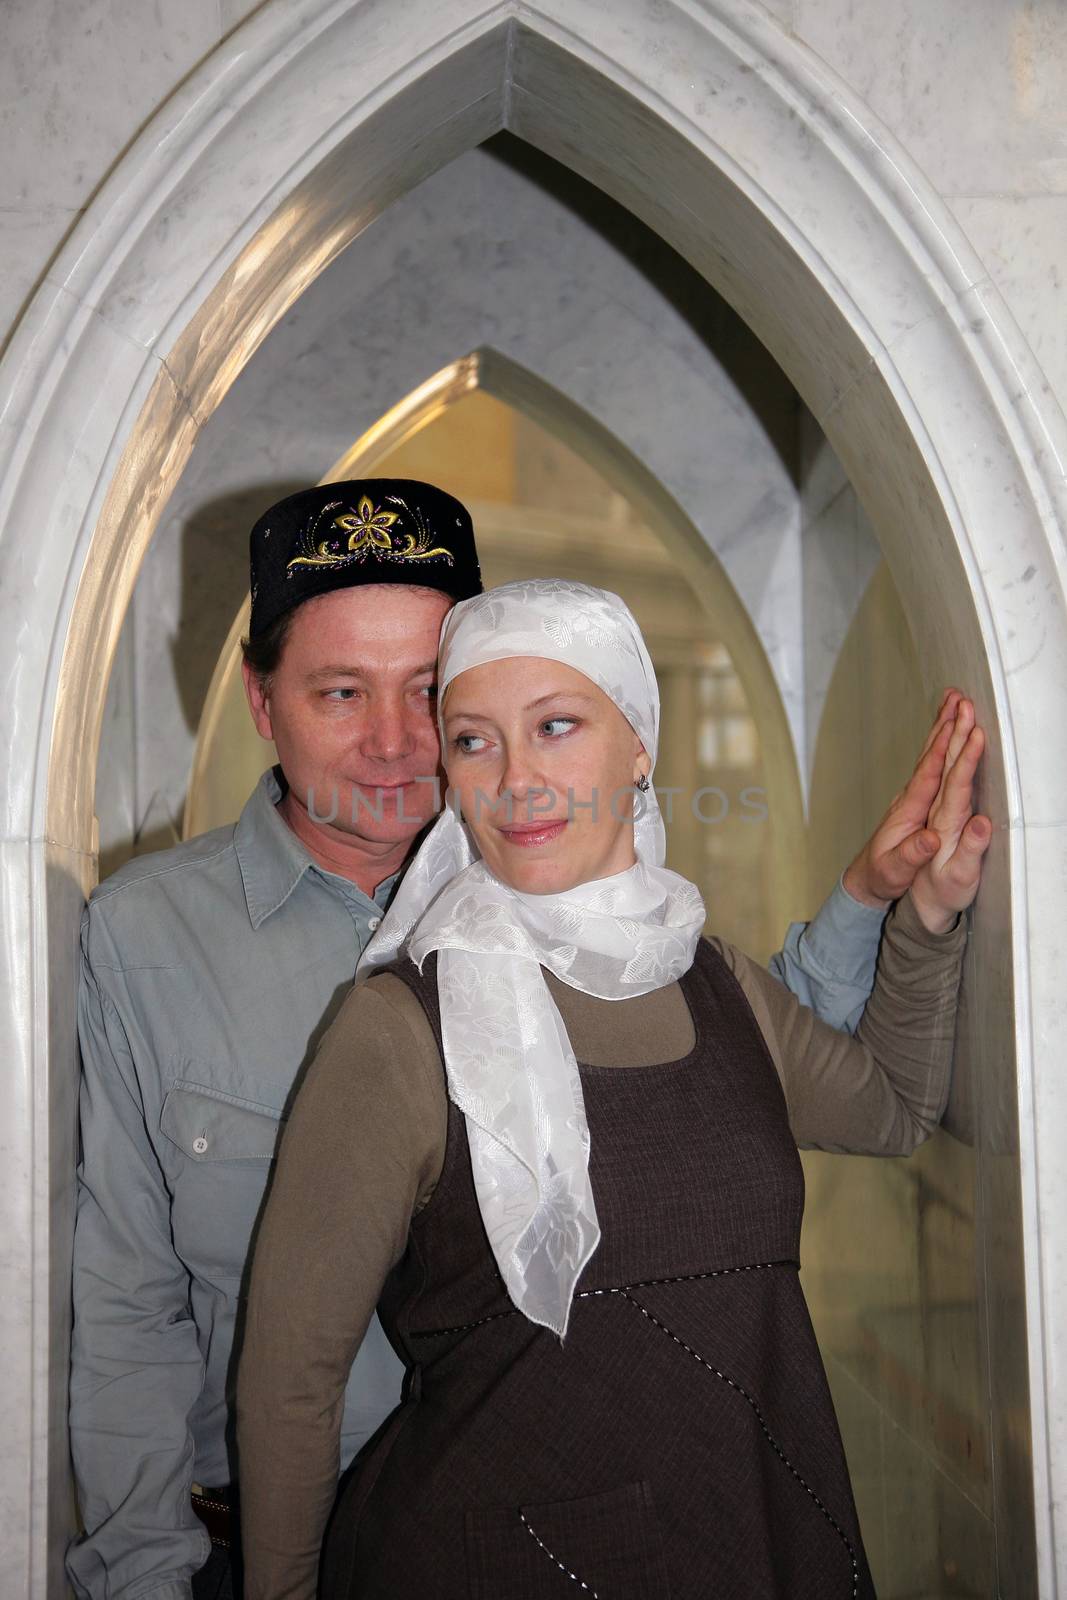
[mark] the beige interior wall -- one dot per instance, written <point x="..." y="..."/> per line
<point x="889" y="1250"/>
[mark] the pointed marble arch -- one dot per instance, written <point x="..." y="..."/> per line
<point x="757" y="164"/>
<point x="507" y="380"/>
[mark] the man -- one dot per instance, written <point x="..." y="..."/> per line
<point x="210" y="971"/>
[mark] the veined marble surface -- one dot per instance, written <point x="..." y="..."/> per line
<point x="754" y="158"/>
<point x="1022" y="239"/>
<point x="979" y="85"/>
<point x="76" y="91"/>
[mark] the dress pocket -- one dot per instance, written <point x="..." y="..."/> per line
<point x="604" y="1546"/>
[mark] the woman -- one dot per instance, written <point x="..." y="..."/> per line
<point x="590" y="1270"/>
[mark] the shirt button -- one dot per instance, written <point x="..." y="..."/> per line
<point x="200" y="1144"/>
<point x="375" y="922"/>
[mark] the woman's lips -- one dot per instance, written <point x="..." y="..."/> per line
<point x="534" y="833"/>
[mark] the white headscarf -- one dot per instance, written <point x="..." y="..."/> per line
<point x="508" y="1060"/>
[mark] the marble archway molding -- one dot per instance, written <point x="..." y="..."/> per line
<point x="507" y="380"/>
<point x="748" y="156"/>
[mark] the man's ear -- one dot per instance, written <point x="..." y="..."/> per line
<point x="257" y="692"/>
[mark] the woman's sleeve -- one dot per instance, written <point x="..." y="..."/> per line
<point x="884" y="1091"/>
<point x="361" y="1153"/>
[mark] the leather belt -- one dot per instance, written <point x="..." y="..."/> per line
<point x="217" y="1510"/>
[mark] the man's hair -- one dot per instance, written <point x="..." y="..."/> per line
<point x="264" y="654"/>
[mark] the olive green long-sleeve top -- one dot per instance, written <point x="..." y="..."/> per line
<point x="365" y="1146"/>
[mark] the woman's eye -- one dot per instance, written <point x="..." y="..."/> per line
<point x="469" y="744"/>
<point x="557" y="725"/>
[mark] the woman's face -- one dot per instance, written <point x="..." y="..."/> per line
<point x="544" y="764"/>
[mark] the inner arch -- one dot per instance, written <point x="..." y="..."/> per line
<point x="494" y="374"/>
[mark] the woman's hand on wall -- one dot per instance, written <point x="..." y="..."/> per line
<point x="947" y="883"/>
<point x="904" y="840"/>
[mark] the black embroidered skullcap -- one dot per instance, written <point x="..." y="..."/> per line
<point x="369" y="530"/>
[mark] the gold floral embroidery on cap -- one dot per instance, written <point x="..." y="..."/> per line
<point x="367" y="525"/>
<point x="371" y="530"/>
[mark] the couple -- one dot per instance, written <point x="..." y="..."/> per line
<point x="552" y="1136"/>
<point x="447" y="1148"/>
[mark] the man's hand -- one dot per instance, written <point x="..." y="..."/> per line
<point x="948" y="882"/>
<point x="905" y="840"/>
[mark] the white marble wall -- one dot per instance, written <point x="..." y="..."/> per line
<point x="974" y="89"/>
<point x="78" y="80"/>
<point x="943" y="394"/>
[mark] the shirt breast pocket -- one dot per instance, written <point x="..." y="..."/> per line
<point x="208" y="1125"/>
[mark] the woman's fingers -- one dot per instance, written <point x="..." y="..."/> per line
<point x="963" y="871"/>
<point x="948" y="886"/>
<point x="953" y="806"/>
<point x="924" y="821"/>
<point x="975" y="838"/>
<point x="960" y="732"/>
<point x="963" y="722"/>
<point x="948" y="883"/>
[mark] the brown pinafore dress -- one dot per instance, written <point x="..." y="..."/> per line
<point x="681" y="1443"/>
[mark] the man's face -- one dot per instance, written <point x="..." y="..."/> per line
<point x="352" y="710"/>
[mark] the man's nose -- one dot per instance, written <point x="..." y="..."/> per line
<point x="390" y="735"/>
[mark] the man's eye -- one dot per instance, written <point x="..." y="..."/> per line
<point x="469" y="744"/>
<point x="429" y="690"/>
<point x="556" y="725"/>
<point x="333" y="694"/>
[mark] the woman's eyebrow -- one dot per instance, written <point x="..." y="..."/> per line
<point x="542" y="700"/>
<point x="558" y="694"/>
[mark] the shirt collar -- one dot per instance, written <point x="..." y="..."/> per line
<point x="271" y="858"/>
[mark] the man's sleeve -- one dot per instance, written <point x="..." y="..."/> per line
<point x="136" y="1368"/>
<point x="829" y="963"/>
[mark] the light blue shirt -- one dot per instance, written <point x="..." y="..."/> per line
<point x="209" y="972"/>
<point x="829" y="963"/>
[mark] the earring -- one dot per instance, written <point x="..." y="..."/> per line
<point x="643" y="783"/>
